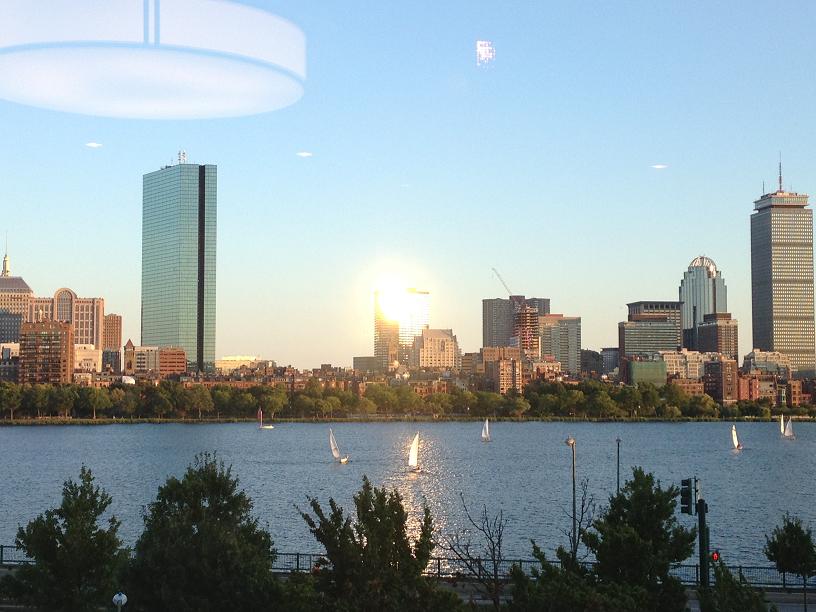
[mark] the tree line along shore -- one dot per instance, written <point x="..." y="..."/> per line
<point x="171" y="401"/>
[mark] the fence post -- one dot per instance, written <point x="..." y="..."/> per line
<point x="1" y="553"/>
<point x="697" y="575"/>
<point x="438" y="568"/>
<point x="297" y="562"/>
<point x="784" y="584"/>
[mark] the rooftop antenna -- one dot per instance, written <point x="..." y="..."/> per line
<point x="780" y="171"/>
<point x="182" y="156"/>
<point x="763" y="187"/>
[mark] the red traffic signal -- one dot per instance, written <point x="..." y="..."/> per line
<point x="715" y="556"/>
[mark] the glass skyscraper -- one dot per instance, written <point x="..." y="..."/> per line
<point x="782" y="277"/>
<point x="179" y="213"/>
<point x="702" y="292"/>
<point x="400" y="315"/>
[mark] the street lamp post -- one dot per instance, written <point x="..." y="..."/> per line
<point x="119" y="600"/>
<point x="618" y="440"/>
<point x="571" y="443"/>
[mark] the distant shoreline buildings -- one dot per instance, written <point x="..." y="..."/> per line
<point x="691" y="343"/>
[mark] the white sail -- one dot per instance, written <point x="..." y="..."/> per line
<point x="734" y="438"/>
<point x="333" y="444"/>
<point x="486" y="432"/>
<point x="782" y="424"/>
<point x="789" y="429"/>
<point x="413" y="454"/>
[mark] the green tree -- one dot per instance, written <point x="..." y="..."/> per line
<point x="91" y="400"/>
<point x="791" y="549"/>
<point x="11" y="398"/>
<point x="201" y="549"/>
<point x="76" y="560"/>
<point x="35" y="399"/>
<point x="370" y="563"/>
<point x="730" y="594"/>
<point x="382" y="395"/>
<point x="569" y="586"/>
<point x="637" y="539"/>
<point x="200" y="399"/>
<point x="61" y="399"/>
<point x="270" y="399"/>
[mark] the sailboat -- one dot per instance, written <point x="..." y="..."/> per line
<point x="413" y="454"/>
<point x="789" y="430"/>
<point x="260" y="421"/>
<point x="486" y="432"/>
<point x="782" y="424"/>
<point x="735" y="439"/>
<point x="335" y="450"/>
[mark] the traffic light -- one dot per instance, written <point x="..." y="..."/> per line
<point x="687" y="496"/>
<point x="715" y="556"/>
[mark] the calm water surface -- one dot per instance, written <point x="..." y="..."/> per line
<point x="524" y="471"/>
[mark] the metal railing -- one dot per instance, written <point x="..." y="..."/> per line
<point x="441" y="567"/>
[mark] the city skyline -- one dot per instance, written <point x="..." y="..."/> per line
<point x="572" y="155"/>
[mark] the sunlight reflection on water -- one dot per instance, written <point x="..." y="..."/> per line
<point x="524" y="471"/>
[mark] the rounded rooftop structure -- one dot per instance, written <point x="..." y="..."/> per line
<point x="704" y="262"/>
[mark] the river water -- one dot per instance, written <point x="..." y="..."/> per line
<point x="525" y="472"/>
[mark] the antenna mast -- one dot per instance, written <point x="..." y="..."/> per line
<point x="780" y="171"/>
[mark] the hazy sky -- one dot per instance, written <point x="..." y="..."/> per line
<point x="432" y="169"/>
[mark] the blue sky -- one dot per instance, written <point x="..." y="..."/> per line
<point x="432" y="169"/>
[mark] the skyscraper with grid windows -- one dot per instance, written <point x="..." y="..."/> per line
<point x="782" y="277"/>
<point x="179" y="214"/>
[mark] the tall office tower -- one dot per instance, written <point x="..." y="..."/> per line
<point x="86" y="315"/>
<point x="654" y="310"/>
<point x="718" y="333"/>
<point x="179" y="209"/>
<point x="782" y="277"/>
<point x="561" y="338"/>
<point x="400" y="315"/>
<point x="112" y="334"/>
<point x="15" y="295"/>
<point x="498" y="317"/>
<point x="702" y="292"/>
<point x="46" y="352"/>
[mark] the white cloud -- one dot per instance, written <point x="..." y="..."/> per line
<point x="93" y="145"/>
<point x="304" y="154"/>
<point x="660" y="166"/>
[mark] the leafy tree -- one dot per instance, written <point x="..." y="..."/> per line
<point x="270" y="399"/>
<point x="730" y="594"/>
<point x="382" y="395"/>
<point x="10" y="398"/>
<point x="702" y="406"/>
<point x="200" y="399"/>
<point x="76" y="561"/>
<point x="201" y="549"/>
<point x="156" y="402"/>
<point x="35" y="399"/>
<point x="61" y="399"/>
<point x="91" y="400"/>
<point x="569" y="586"/>
<point x="370" y="563"/>
<point x="637" y="539"/>
<point x="791" y="549"/>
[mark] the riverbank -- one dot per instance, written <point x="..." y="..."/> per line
<point x="401" y="418"/>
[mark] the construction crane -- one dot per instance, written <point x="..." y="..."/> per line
<point x="501" y="280"/>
